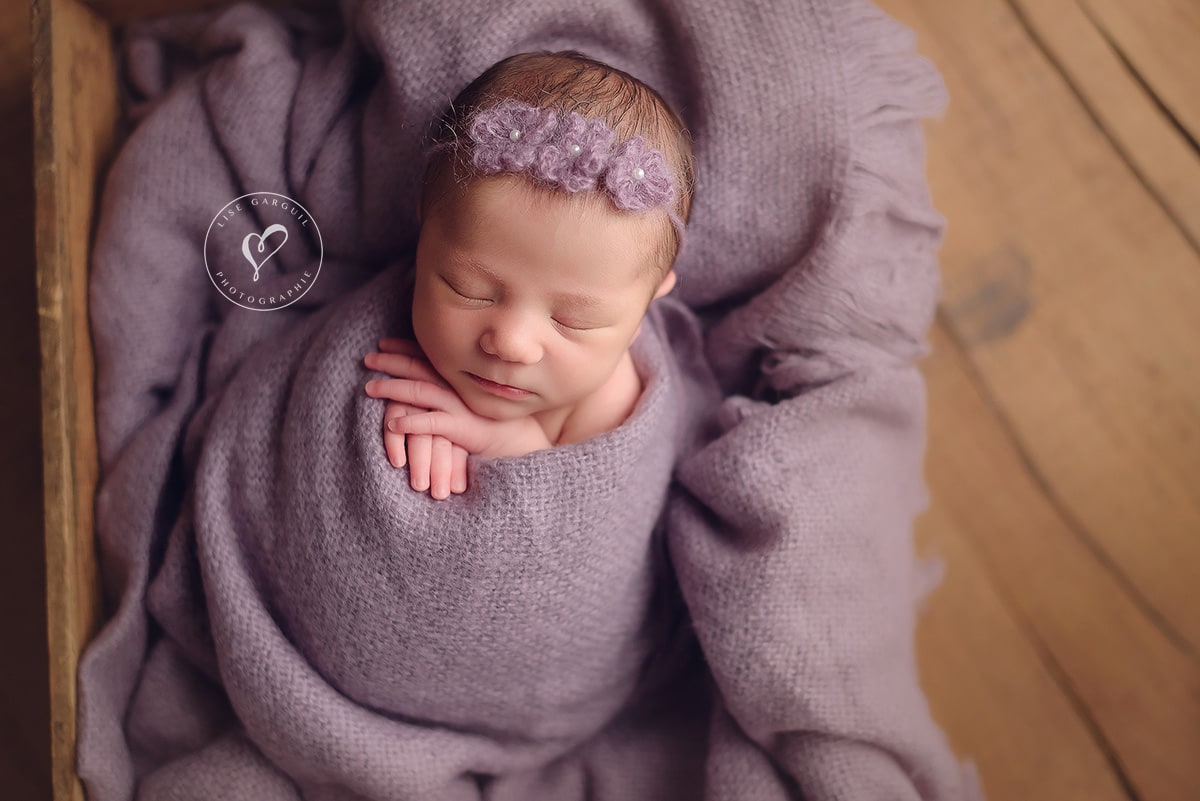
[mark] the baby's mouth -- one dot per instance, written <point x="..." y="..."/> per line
<point x="502" y="390"/>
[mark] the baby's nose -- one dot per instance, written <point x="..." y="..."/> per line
<point x="511" y="343"/>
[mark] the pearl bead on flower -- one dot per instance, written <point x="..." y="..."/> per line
<point x="639" y="173"/>
<point x="514" y="134"/>
<point x="576" y="150"/>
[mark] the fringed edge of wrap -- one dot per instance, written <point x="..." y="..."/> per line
<point x="865" y="294"/>
<point x="835" y="339"/>
<point x="868" y="295"/>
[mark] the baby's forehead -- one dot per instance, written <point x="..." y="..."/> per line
<point x="642" y="236"/>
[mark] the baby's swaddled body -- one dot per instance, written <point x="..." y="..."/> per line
<point x="517" y="608"/>
<point x="516" y="619"/>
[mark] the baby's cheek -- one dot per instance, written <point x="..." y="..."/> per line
<point x="449" y="362"/>
<point x="601" y="364"/>
<point x="425" y="330"/>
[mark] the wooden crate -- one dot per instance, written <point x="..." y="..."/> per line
<point x="75" y="104"/>
<point x="75" y="115"/>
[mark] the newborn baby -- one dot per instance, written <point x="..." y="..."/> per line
<point x="712" y="600"/>
<point x="552" y="213"/>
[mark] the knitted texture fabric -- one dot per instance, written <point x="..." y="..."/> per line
<point x="714" y="601"/>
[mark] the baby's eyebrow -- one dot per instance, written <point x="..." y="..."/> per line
<point x="478" y="266"/>
<point x="580" y="301"/>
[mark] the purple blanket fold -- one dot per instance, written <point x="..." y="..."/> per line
<point x="714" y="601"/>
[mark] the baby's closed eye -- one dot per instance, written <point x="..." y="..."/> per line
<point x="471" y="294"/>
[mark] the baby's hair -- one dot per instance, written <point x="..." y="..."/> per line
<point x="566" y="82"/>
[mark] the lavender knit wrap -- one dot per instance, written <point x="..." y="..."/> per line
<point x="713" y="602"/>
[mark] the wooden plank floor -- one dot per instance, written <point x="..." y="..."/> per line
<point x="1062" y="652"/>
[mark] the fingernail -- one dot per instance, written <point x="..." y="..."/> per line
<point x="394" y="425"/>
<point x="371" y="385"/>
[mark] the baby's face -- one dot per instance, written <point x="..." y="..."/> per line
<point x="524" y="301"/>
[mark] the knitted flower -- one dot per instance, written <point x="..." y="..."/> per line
<point x="575" y="156"/>
<point x="574" y="153"/>
<point x="638" y="178"/>
<point x="507" y="136"/>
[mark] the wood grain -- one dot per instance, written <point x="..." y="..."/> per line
<point x="1159" y="40"/>
<point x="1126" y="683"/>
<point x="988" y="685"/>
<point x="1064" y="415"/>
<point x="75" y="108"/>
<point x="1074" y="294"/>
<point x="1146" y="136"/>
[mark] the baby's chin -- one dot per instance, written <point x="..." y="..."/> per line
<point x="498" y="409"/>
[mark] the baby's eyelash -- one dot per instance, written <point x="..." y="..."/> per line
<point x="571" y="327"/>
<point x="473" y="300"/>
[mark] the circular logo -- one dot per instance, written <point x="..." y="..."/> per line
<point x="263" y="251"/>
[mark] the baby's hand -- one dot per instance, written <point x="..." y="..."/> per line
<point x="450" y="417"/>
<point x="434" y="462"/>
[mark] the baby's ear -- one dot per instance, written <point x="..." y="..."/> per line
<point x="668" y="283"/>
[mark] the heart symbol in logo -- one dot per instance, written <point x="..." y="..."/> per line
<point x="262" y="246"/>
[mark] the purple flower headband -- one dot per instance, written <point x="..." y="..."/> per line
<point x="574" y="153"/>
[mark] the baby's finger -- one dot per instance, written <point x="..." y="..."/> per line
<point x="440" y="424"/>
<point x="416" y="393"/>
<point x="440" y="468"/>
<point x="419" y="454"/>
<point x="458" y="475"/>
<point x="393" y="443"/>
<point x="402" y="366"/>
